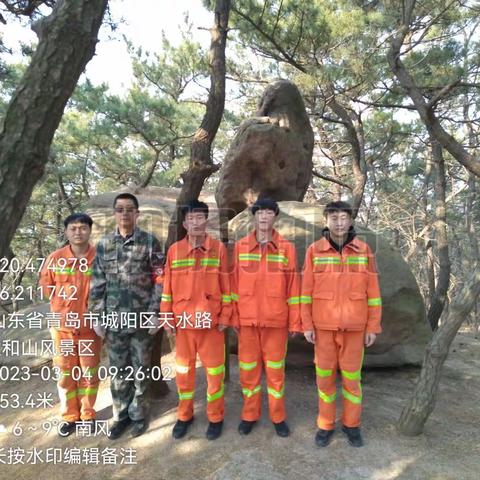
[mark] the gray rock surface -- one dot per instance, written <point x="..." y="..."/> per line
<point x="271" y="154"/>
<point x="405" y="328"/>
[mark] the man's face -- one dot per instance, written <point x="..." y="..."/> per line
<point x="195" y="224"/>
<point x="264" y="220"/>
<point x="78" y="233"/>
<point x="126" y="214"/>
<point x="338" y="223"/>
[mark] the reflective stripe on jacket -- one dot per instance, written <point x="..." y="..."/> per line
<point x="340" y="291"/>
<point x="66" y="282"/>
<point x="197" y="282"/>
<point x="266" y="285"/>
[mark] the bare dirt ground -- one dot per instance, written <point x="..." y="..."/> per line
<point x="449" y="448"/>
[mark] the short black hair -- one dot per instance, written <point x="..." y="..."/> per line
<point x="78" y="218"/>
<point x="338" y="206"/>
<point x="127" y="196"/>
<point x="265" y="204"/>
<point x="195" y="206"/>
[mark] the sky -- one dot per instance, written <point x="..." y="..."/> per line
<point x="141" y="21"/>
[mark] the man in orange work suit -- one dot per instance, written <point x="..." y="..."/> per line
<point x="65" y="279"/>
<point x="196" y="293"/>
<point x="265" y="291"/>
<point x="341" y="313"/>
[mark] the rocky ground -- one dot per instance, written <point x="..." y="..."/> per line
<point x="449" y="448"/>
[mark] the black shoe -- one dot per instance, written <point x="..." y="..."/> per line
<point x="354" y="436"/>
<point x="87" y="425"/>
<point x="66" y="429"/>
<point x="180" y="428"/>
<point x="139" y="427"/>
<point x="214" y="430"/>
<point x="118" y="428"/>
<point x="323" y="437"/>
<point x="282" y="429"/>
<point x="245" y="427"/>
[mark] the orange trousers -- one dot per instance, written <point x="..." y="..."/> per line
<point x="257" y="347"/>
<point x="210" y="346"/>
<point x="77" y="387"/>
<point x="339" y="350"/>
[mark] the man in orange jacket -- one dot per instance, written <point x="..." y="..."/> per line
<point x="65" y="279"/>
<point x="196" y="295"/>
<point x="341" y="313"/>
<point x="266" y="298"/>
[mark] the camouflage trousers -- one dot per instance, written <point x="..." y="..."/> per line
<point x="129" y="390"/>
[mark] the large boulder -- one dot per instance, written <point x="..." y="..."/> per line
<point x="271" y="154"/>
<point x="405" y="328"/>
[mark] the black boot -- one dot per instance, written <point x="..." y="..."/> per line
<point x="354" y="436"/>
<point x="180" y="428"/>
<point x="66" y="429"/>
<point x="139" y="427"/>
<point x="245" y="427"/>
<point x="214" y="430"/>
<point x="282" y="429"/>
<point x="323" y="437"/>
<point x="118" y="428"/>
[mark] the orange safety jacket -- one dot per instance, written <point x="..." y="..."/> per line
<point x="340" y="291"/>
<point x="265" y="283"/>
<point x="65" y="280"/>
<point x="197" y="283"/>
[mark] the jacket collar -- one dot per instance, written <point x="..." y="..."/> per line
<point x="254" y="244"/>
<point x="131" y="238"/>
<point x="352" y="242"/>
<point x="205" y="247"/>
<point x="67" y="253"/>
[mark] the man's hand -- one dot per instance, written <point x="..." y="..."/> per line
<point x="169" y="331"/>
<point x="221" y="328"/>
<point x="155" y="325"/>
<point x="153" y="330"/>
<point x="99" y="329"/>
<point x="310" y="336"/>
<point x="370" y="339"/>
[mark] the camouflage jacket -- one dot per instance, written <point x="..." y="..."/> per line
<point x="124" y="274"/>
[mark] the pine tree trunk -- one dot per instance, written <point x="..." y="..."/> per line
<point x="422" y="401"/>
<point x="201" y="164"/>
<point x="67" y="40"/>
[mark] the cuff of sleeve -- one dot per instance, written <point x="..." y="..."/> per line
<point x="307" y="325"/>
<point x="166" y="307"/>
<point x="373" y="328"/>
<point x="225" y="319"/>
<point x="234" y="320"/>
<point x="295" y="325"/>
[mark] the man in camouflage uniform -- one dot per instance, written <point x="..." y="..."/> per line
<point x="124" y="290"/>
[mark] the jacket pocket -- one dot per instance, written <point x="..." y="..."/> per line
<point x="357" y="295"/>
<point x="110" y="263"/>
<point x="277" y="307"/>
<point x="138" y="262"/>
<point x="214" y="303"/>
<point x="211" y="280"/>
<point x="325" y="311"/>
<point x="64" y="293"/>
<point x="181" y="283"/>
<point x="356" y="310"/>
<point x="246" y="282"/>
<point x="323" y="295"/>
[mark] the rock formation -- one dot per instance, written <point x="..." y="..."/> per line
<point x="271" y="154"/>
